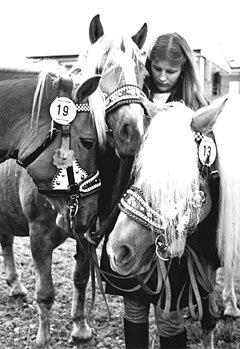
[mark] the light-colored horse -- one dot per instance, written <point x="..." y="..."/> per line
<point x="119" y="60"/>
<point x="172" y="198"/>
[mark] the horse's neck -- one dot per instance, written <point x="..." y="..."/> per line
<point x="16" y="101"/>
<point x="15" y="110"/>
<point x="114" y="181"/>
<point x="9" y="74"/>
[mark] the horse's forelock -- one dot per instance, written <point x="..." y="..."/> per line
<point x="110" y="52"/>
<point x="166" y="167"/>
<point x="97" y="107"/>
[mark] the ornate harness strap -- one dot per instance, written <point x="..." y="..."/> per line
<point x="70" y="177"/>
<point x="134" y="205"/>
<point x="123" y="95"/>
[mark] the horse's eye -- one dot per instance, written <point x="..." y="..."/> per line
<point x="87" y="143"/>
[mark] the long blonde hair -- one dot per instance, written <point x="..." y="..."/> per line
<point x="173" y="48"/>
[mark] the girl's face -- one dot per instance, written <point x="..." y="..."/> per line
<point x="165" y="75"/>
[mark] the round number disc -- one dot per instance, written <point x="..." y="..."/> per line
<point x="207" y="151"/>
<point x="63" y="110"/>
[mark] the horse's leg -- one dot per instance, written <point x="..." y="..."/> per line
<point x="210" y="316"/>
<point x="229" y="296"/>
<point x="42" y="248"/>
<point x="13" y="276"/>
<point x="81" y="330"/>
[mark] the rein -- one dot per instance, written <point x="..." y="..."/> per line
<point x="35" y="154"/>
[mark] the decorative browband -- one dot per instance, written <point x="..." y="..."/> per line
<point x="123" y="95"/>
<point x="133" y="204"/>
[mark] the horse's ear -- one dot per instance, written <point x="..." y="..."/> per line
<point x="205" y="117"/>
<point x="95" y="29"/>
<point x="140" y="37"/>
<point x="87" y="88"/>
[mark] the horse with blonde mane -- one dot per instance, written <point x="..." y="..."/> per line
<point x="118" y="58"/>
<point x="56" y="129"/>
<point x="175" y="220"/>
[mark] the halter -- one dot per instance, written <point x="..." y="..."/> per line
<point x="70" y="178"/>
<point x="134" y="206"/>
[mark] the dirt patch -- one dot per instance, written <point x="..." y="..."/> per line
<point x="19" y="319"/>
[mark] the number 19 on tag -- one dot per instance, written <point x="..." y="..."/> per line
<point x="63" y="110"/>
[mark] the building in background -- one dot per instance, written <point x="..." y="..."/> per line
<point x="234" y="79"/>
<point x="214" y="71"/>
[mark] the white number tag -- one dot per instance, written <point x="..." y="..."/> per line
<point x="207" y="151"/>
<point x="63" y="110"/>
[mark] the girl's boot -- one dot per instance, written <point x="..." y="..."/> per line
<point x="179" y="341"/>
<point x="136" y="335"/>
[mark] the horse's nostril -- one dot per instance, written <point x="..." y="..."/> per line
<point x="125" y="254"/>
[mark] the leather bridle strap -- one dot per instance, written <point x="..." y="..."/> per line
<point x="106" y="275"/>
<point x="35" y="154"/>
<point x="197" y="276"/>
<point x="95" y="237"/>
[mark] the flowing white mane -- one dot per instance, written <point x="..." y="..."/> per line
<point x="226" y="131"/>
<point x="166" y="168"/>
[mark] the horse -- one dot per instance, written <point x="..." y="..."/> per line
<point x="119" y="60"/>
<point x="60" y="165"/>
<point x="177" y="208"/>
<point x="45" y="186"/>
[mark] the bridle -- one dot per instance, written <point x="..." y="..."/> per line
<point x="70" y="180"/>
<point x="123" y="95"/>
<point x="135" y="207"/>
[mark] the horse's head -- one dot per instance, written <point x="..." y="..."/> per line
<point x="61" y="159"/>
<point x="170" y="195"/>
<point x="119" y="61"/>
